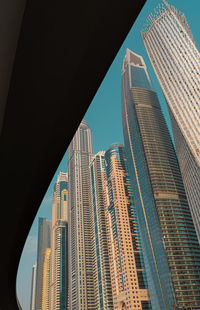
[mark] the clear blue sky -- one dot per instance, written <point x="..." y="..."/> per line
<point x="104" y="119"/>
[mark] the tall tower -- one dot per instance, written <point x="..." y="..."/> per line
<point x="44" y="242"/>
<point x="82" y="284"/>
<point x="176" y="62"/>
<point x="169" y="241"/>
<point x="46" y="280"/>
<point x="97" y="175"/>
<point x="33" y="286"/>
<point x="126" y="261"/>
<point x="59" y="245"/>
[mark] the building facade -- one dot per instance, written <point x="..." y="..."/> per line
<point x="128" y="278"/>
<point x="169" y="240"/>
<point x="83" y="292"/>
<point x="59" y="245"/>
<point x="33" y="286"/>
<point x="97" y="175"/>
<point x="44" y="242"/>
<point x="61" y="266"/>
<point x="46" y="280"/>
<point x="176" y="62"/>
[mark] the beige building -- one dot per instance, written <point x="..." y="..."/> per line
<point x="126" y="261"/>
<point x="44" y="242"/>
<point x="46" y="280"/>
<point x="82" y="274"/>
<point x="104" y="288"/>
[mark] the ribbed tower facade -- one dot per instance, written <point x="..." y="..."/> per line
<point x="128" y="278"/>
<point x="59" y="245"/>
<point x="97" y="175"/>
<point x="44" y="242"/>
<point x="33" y="287"/>
<point x="82" y="284"/>
<point x="46" y="280"/>
<point x="169" y="241"/>
<point x="176" y="62"/>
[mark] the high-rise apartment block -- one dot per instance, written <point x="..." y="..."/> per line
<point x="59" y="245"/>
<point x="82" y="284"/>
<point x="169" y="241"/>
<point x="128" y="278"/>
<point x="176" y="62"/>
<point x="44" y="242"/>
<point x="61" y="266"/>
<point x="46" y="280"/>
<point x="97" y="175"/>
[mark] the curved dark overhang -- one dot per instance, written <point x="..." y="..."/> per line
<point x="64" y="51"/>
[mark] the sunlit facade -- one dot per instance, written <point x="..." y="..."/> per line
<point x="176" y="62"/>
<point x="59" y="245"/>
<point x="46" y="280"/>
<point x="169" y="240"/>
<point x="44" y="242"/>
<point x="97" y="175"/>
<point x="128" y="277"/>
<point x="82" y="271"/>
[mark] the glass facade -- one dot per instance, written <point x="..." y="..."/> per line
<point x="169" y="241"/>
<point x="139" y="78"/>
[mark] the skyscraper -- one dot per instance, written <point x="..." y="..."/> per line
<point x="46" y="280"/>
<point x="59" y="245"/>
<point x="97" y="175"/>
<point x="82" y="284"/>
<point x="33" y="286"/>
<point x="44" y="242"/>
<point x="129" y="284"/>
<point x="169" y="241"/>
<point x="61" y="266"/>
<point x="176" y="62"/>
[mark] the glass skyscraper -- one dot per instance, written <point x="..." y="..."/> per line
<point x="97" y="175"/>
<point x="82" y="283"/>
<point x="169" y="240"/>
<point x="59" y="245"/>
<point x="128" y="277"/>
<point x="44" y="242"/>
<point x="176" y="62"/>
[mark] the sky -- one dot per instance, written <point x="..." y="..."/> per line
<point x="104" y="119"/>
